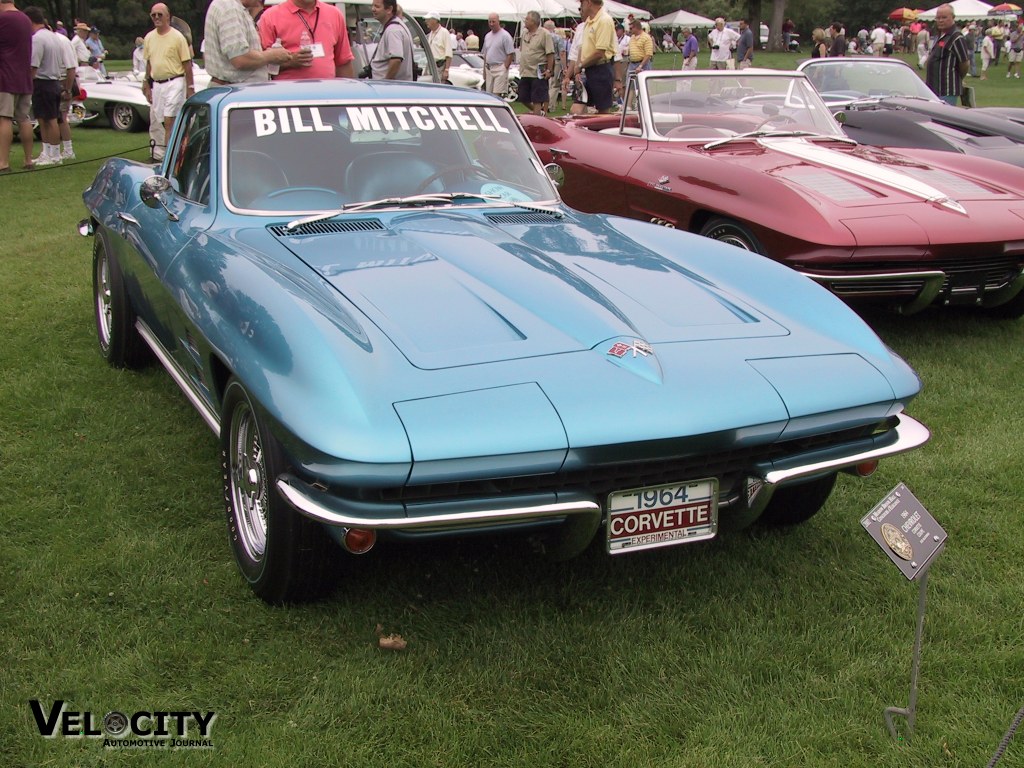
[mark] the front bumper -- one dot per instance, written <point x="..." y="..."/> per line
<point x="465" y="514"/>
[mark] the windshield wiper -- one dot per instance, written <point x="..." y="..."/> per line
<point x="412" y="201"/>
<point x="777" y="134"/>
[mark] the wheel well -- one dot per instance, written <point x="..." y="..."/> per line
<point x="699" y="219"/>
<point x="220" y="375"/>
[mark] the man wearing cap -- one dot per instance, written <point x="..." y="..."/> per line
<point x="440" y="44"/>
<point x="168" y="76"/>
<point x="78" y="43"/>
<point x="232" y="50"/>
<point x="95" y="46"/>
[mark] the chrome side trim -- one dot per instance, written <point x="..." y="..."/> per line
<point x="910" y="434"/>
<point x="932" y="281"/>
<point x="303" y="498"/>
<point x="179" y="376"/>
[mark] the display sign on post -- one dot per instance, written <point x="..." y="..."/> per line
<point x="905" y="531"/>
<point x="911" y="537"/>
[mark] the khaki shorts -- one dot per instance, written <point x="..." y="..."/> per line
<point x="15" y="106"/>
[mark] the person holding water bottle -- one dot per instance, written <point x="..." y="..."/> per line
<point x="315" y="35"/>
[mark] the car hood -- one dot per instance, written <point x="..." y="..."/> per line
<point x="862" y="176"/>
<point x="453" y="289"/>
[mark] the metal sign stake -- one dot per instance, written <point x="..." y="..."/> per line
<point x="910" y="711"/>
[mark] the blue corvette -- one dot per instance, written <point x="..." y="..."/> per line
<point x="374" y="296"/>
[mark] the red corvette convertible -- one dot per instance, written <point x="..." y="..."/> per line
<point x="755" y="159"/>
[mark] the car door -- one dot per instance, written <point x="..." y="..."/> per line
<point x="162" y="230"/>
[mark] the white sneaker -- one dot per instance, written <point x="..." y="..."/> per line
<point x="41" y="161"/>
<point x="67" y="154"/>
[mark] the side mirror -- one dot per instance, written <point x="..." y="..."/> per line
<point x="556" y="174"/>
<point x="152" y="193"/>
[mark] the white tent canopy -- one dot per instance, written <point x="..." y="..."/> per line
<point x="616" y="9"/>
<point x="963" y="10"/>
<point x="682" y="18"/>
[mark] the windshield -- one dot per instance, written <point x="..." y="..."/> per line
<point x="719" y="106"/>
<point x="307" y="159"/>
<point x="844" y="81"/>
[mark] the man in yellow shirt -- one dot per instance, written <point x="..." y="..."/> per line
<point x="641" y="48"/>
<point x="597" y="51"/>
<point x="168" y="76"/>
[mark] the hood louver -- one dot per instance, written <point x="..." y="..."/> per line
<point x="328" y="227"/>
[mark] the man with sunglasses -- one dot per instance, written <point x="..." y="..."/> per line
<point x="168" y="76"/>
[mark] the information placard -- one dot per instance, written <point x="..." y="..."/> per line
<point x="905" y="531"/>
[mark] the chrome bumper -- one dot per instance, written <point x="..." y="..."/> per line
<point x="469" y="513"/>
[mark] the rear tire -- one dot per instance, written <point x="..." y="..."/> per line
<point x="285" y="557"/>
<point x="119" y="340"/>
<point x="124" y="118"/>
<point x="795" y="504"/>
<point x="732" y="233"/>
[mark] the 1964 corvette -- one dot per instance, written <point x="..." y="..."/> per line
<point x="754" y="158"/>
<point x="373" y="295"/>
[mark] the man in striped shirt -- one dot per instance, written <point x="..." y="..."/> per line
<point x="948" y="60"/>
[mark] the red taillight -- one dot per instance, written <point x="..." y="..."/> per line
<point x="866" y="468"/>
<point x="359" y="541"/>
<point x="82" y="95"/>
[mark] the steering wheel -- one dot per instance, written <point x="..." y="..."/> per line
<point x="784" y="119"/>
<point x="297" y="190"/>
<point x="762" y="98"/>
<point x="467" y="169"/>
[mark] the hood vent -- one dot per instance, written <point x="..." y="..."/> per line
<point x="328" y="227"/>
<point x="521" y="218"/>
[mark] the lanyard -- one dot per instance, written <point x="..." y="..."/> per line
<point x="316" y="23"/>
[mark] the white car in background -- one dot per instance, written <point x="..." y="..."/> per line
<point x="119" y="98"/>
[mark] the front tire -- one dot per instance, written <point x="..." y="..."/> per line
<point x="732" y="233"/>
<point x="795" y="504"/>
<point x="119" y="341"/>
<point x="285" y="557"/>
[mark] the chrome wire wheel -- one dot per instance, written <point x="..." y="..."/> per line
<point x="123" y="117"/>
<point x="247" y="476"/>
<point x="104" y="307"/>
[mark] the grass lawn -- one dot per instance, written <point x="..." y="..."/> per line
<point x="760" y="648"/>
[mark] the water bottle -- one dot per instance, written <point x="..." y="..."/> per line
<point x="273" y="69"/>
<point x="305" y="42"/>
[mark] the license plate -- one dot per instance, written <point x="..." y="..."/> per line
<point x="662" y="515"/>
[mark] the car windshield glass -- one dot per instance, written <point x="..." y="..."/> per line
<point x="719" y="106"/>
<point x="308" y="159"/>
<point x="852" y="80"/>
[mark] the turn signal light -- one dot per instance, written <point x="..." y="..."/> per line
<point x="866" y="468"/>
<point x="359" y="541"/>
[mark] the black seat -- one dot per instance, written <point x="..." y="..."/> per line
<point x="389" y="174"/>
<point x="252" y="175"/>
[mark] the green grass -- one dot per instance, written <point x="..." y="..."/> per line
<point x="761" y="648"/>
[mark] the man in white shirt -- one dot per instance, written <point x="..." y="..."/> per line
<point x="722" y="41"/>
<point x="878" y="40"/>
<point x="440" y="44"/>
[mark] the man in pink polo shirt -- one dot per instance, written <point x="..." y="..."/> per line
<point x="325" y="51"/>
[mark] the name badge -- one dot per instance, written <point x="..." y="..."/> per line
<point x="317" y="49"/>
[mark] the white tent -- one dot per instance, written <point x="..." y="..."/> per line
<point x="963" y="10"/>
<point x="682" y="18"/>
<point x="616" y="9"/>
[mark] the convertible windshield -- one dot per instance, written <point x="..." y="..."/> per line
<point x="721" y="106"/>
<point x="325" y="157"/>
<point x="845" y="80"/>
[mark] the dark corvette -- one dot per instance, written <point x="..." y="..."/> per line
<point x="882" y="102"/>
<point x="755" y="159"/>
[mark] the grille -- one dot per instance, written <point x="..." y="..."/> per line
<point x="987" y="271"/>
<point x="328" y="227"/>
<point x="521" y="218"/>
<point x="730" y="467"/>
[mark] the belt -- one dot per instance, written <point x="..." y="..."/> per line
<point x="216" y="81"/>
<point x="635" y="61"/>
<point x="168" y="79"/>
